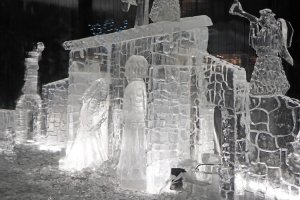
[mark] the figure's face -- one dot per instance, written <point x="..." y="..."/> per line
<point x="266" y="20"/>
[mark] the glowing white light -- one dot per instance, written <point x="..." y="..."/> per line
<point x="264" y="186"/>
<point x="50" y="148"/>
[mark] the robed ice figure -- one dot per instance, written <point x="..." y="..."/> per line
<point x="90" y="146"/>
<point x="132" y="162"/>
<point x="270" y="38"/>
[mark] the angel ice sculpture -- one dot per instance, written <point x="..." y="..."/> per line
<point x="270" y="39"/>
<point x="132" y="162"/>
<point x="90" y="147"/>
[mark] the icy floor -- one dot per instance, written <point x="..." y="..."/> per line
<point x="33" y="175"/>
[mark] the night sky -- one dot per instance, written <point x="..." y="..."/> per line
<point x="24" y="22"/>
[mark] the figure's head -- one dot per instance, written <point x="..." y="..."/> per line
<point x="96" y="93"/>
<point x="267" y="17"/>
<point x="136" y="67"/>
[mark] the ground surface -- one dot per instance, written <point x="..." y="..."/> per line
<point x="31" y="174"/>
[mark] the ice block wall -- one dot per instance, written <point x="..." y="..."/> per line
<point x="163" y="43"/>
<point x="226" y="88"/>
<point x="7" y="131"/>
<point x="55" y="101"/>
<point x="274" y="126"/>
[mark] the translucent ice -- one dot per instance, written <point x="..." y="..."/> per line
<point x="132" y="163"/>
<point x="90" y="147"/>
<point x="270" y="38"/>
<point x="165" y="10"/>
<point x="28" y="107"/>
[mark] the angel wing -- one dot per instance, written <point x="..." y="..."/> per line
<point x="287" y="36"/>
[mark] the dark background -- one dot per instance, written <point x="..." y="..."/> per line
<point x="25" y="22"/>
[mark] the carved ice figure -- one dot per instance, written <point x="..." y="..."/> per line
<point x="142" y="13"/>
<point x="90" y="147"/>
<point x="132" y="163"/>
<point x="270" y="39"/>
<point x="165" y="10"/>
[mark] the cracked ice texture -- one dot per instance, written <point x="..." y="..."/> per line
<point x="165" y="10"/>
<point x="55" y="102"/>
<point x="274" y="124"/>
<point x="226" y="88"/>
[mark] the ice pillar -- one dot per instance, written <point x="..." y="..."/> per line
<point x="29" y="105"/>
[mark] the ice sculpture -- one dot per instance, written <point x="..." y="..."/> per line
<point x="28" y="108"/>
<point x="142" y="13"/>
<point x="132" y="163"/>
<point x="165" y="10"/>
<point x="269" y="37"/>
<point x="90" y="147"/>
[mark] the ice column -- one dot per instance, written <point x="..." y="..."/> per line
<point x="132" y="163"/>
<point x="29" y="105"/>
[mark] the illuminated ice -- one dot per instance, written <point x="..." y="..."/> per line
<point x="90" y="147"/>
<point x="28" y="108"/>
<point x="165" y="10"/>
<point x="132" y="163"/>
<point x="267" y="153"/>
<point x="270" y="38"/>
<point x="168" y="101"/>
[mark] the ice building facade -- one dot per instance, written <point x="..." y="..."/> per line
<point x="170" y="48"/>
<point x="197" y="106"/>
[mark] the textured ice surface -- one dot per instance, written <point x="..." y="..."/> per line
<point x="293" y="160"/>
<point x="132" y="163"/>
<point x="54" y="114"/>
<point x="7" y="129"/>
<point x="90" y="147"/>
<point x="270" y="39"/>
<point x="266" y="151"/>
<point x="187" y="105"/>
<point x="174" y="46"/>
<point x="28" y="108"/>
<point x="165" y="10"/>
